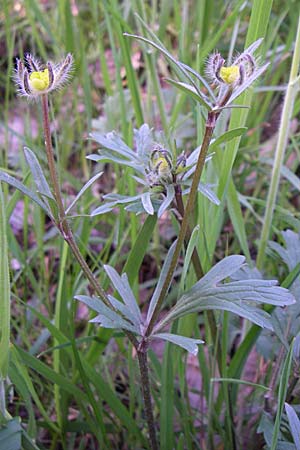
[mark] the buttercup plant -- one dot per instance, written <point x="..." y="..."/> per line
<point x="162" y="176"/>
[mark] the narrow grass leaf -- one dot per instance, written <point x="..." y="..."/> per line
<point x="238" y="381"/>
<point x="21" y="387"/>
<point x="139" y="249"/>
<point x="161" y="280"/>
<point x="188" y="255"/>
<point x="41" y="368"/>
<point x="109" y="396"/>
<point x="283" y="386"/>
<point x="236" y="216"/>
<point x="25" y="379"/>
<point x="5" y="292"/>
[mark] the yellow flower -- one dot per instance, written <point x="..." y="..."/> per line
<point x="230" y="74"/>
<point x="33" y="79"/>
<point x="39" y="81"/>
<point x="163" y="166"/>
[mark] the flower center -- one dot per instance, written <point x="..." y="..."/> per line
<point x="162" y="163"/>
<point x="230" y="74"/>
<point x="39" y="81"/>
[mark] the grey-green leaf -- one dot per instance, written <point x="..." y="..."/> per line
<point x="107" y="317"/>
<point x="190" y="91"/>
<point x="189" y="344"/>
<point x="112" y="141"/>
<point x="6" y="178"/>
<point x="37" y="173"/>
<point x="208" y="294"/>
<point x="294" y="424"/>
<point x="147" y="204"/>
<point x="167" y="200"/>
<point x="10" y="435"/>
<point x="227" y="136"/>
<point x="82" y="190"/>
<point x="122" y="286"/>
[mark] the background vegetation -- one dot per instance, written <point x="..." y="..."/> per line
<point x="76" y="386"/>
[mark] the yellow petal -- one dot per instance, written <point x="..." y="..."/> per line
<point x="39" y="81"/>
<point x="230" y="74"/>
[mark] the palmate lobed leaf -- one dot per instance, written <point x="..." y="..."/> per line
<point x="114" y="201"/>
<point x="122" y="286"/>
<point x="106" y="156"/>
<point x="107" y="317"/>
<point x="144" y="141"/>
<point x="112" y="141"/>
<point x="209" y="294"/>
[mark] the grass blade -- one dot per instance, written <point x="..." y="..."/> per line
<point x="5" y="293"/>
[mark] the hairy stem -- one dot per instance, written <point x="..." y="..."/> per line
<point x="63" y="224"/>
<point x="195" y="257"/>
<point x="144" y="371"/>
<point x="197" y="266"/>
<point x="62" y="221"/>
<point x="210" y="125"/>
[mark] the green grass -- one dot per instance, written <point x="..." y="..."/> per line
<point x="77" y="385"/>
